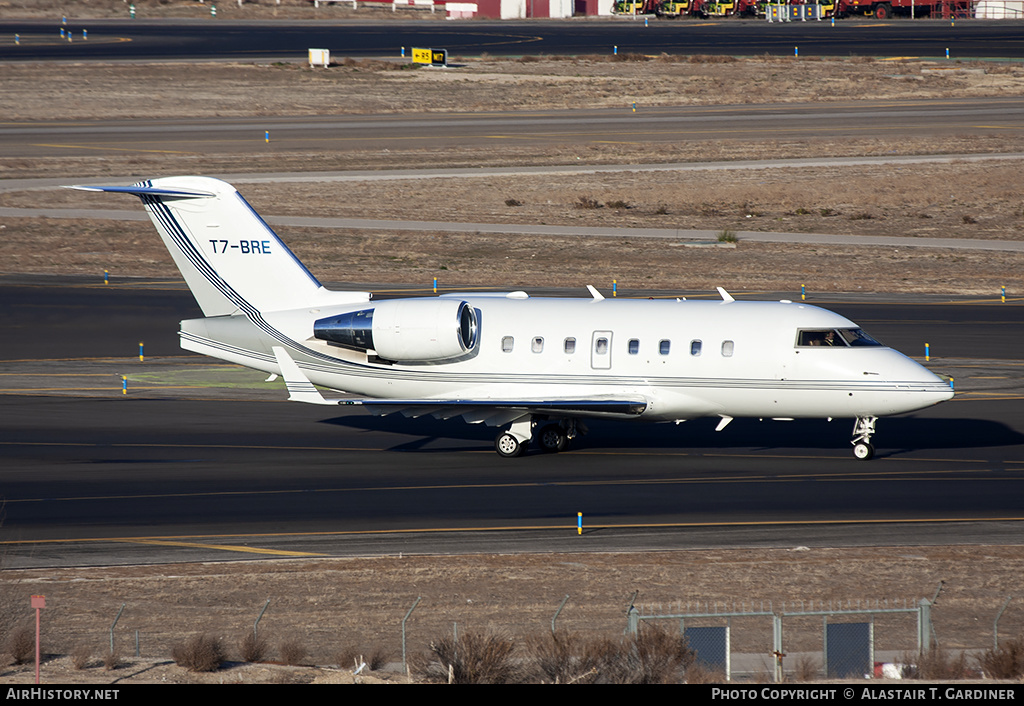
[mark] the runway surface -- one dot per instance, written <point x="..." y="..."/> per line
<point x="218" y="39"/>
<point x="203" y="461"/>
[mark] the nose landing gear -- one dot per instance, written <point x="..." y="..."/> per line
<point x="863" y="429"/>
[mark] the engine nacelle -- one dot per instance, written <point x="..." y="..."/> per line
<point x="405" y="330"/>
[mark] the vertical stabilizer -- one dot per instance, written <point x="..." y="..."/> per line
<point x="230" y="258"/>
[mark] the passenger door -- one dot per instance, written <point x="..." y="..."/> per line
<point x="601" y="350"/>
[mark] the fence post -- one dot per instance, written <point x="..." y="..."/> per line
<point x="632" y="620"/>
<point x="558" y="612"/>
<point x="995" y="624"/>
<point x="256" y="624"/>
<point x="777" y="646"/>
<point x="114" y="625"/>
<point x="924" y="625"/>
<point x="405" y="664"/>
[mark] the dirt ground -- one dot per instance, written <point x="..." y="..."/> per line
<point x="985" y="203"/>
<point x="339" y="607"/>
<point x="343" y="607"/>
<point x="961" y="199"/>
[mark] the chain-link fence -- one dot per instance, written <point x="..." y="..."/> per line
<point x="801" y="641"/>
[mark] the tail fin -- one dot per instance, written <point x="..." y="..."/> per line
<point x="230" y="258"/>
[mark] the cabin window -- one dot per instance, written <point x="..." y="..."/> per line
<point x="537" y="344"/>
<point x="570" y="345"/>
<point x="506" y="344"/>
<point x="634" y="346"/>
<point x="601" y="346"/>
<point x="695" y="346"/>
<point x="727" y="348"/>
<point x="664" y="345"/>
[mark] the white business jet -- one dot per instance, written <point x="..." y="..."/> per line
<point x="536" y="366"/>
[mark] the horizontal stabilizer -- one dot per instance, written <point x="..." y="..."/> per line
<point x="139" y="190"/>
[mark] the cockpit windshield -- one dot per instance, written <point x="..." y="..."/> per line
<point x="834" y="338"/>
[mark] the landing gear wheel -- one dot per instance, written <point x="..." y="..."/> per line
<point x="552" y="439"/>
<point x="508" y="446"/>
<point x="863" y="451"/>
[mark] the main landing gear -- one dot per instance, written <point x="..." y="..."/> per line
<point x="863" y="428"/>
<point x="551" y="436"/>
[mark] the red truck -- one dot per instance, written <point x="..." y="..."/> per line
<point x="884" y="9"/>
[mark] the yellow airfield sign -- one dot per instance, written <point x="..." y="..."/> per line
<point x="434" y="57"/>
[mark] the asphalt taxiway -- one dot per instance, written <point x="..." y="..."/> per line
<point x="654" y="126"/>
<point x="202" y="461"/>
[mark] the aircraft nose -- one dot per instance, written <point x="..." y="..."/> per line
<point x="910" y="375"/>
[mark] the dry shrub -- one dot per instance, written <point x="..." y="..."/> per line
<point x="711" y="59"/>
<point x="80" y="657"/>
<point x="200" y="653"/>
<point x="474" y="658"/>
<point x="378" y="659"/>
<point x="807" y="669"/>
<point x="650" y="657"/>
<point x="1005" y="661"/>
<point x="348" y="657"/>
<point x="293" y="651"/>
<point x="252" y="647"/>
<point x="630" y="56"/>
<point x="567" y="658"/>
<point x="21" y="645"/>
<point x="936" y="664"/>
<point x="372" y="64"/>
<point x="586" y="203"/>
<point x="111" y="660"/>
<point x="698" y="673"/>
<point x="351" y="657"/>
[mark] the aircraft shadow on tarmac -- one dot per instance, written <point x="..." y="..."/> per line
<point x="894" y="434"/>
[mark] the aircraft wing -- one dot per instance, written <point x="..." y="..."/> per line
<point x="498" y="412"/>
<point x="492" y="412"/>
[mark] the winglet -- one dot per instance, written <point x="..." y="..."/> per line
<point x="300" y="389"/>
<point x="726" y="297"/>
<point x="594" y="293"/>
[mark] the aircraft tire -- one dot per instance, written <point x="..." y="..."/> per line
<point x="883" y="11"/>
<point x="508" y="446"/>
<point x="863" y="451"/>
<point x="552" y="439"/>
